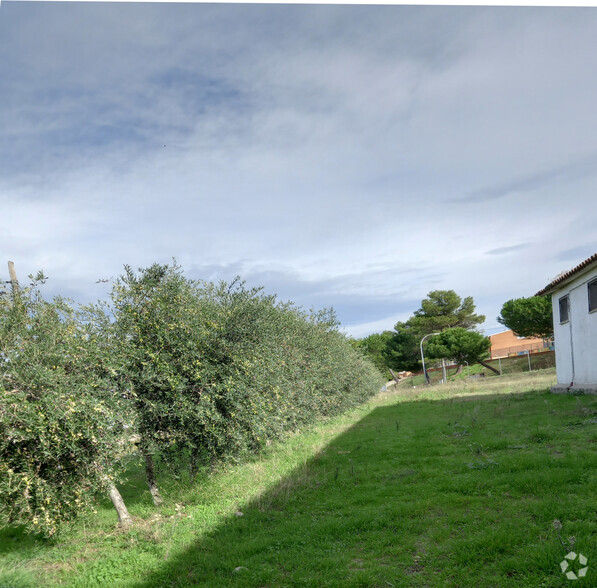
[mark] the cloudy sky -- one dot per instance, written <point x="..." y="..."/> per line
<point x="348" y="156"/>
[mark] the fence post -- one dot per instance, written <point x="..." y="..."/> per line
<point x="13" y="278"/>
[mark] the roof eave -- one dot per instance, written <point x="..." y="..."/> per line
<point x="582" y="268"/>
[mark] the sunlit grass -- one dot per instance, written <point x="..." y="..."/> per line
<point x="455" y="485"/>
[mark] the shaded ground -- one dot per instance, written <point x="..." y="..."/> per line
<point x="424" y="494"/>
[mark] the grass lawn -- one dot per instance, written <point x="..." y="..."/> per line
<point x="456" y="485"/>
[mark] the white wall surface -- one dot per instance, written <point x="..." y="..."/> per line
<point x="576" y="340"/>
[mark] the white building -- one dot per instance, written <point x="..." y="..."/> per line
<point x="574" y="302"/>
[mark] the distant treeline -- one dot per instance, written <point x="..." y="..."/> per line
<point x="442" y="312"/>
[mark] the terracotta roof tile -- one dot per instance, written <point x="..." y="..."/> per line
<point x="564" y="277"/>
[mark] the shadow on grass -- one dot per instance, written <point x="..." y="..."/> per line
<point x="422" y="492"/>
<point x="370" y="509"/>
<point x="16" y="540"/>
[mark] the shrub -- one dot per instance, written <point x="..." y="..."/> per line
<point x="218" y="370"/>
<point x="58" y="433"/>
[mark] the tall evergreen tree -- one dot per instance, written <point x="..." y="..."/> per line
<point x="440" y="310"/>
<point x="444" y="309"/>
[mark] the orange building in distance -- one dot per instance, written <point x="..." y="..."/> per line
<point x="507" y="343"/>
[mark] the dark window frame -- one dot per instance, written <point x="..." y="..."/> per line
<point x="592" y="295"/>
<point x="564" y="299"/>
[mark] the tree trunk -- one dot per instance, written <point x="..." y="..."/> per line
<point x="394" y="376"/>
<point x="459" y="369"/>
<point x="124" y="518"/>
<point x="486" y="365"/>
<point x="150" y="474"/>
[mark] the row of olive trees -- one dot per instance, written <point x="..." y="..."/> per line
<point x="188" y="369"/>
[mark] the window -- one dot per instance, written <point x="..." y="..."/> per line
<point x="564" y="307"/>
<point x="592" y="287"/>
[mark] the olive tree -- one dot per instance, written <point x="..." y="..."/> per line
<point x="215" y="371"/>
<point x="59" y="434"/>
<point x="159" y="330"/>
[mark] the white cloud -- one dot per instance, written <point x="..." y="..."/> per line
<point x="347" y="146"/>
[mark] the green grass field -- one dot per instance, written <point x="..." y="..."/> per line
<point x="456" y="485"/>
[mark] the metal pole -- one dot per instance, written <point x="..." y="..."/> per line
<point x="467" y="372"/>
<point x="445" y="378"/>
<point x="529" y="356"/>
<point x="423" y="357"/>
<point x="500" y="364"/>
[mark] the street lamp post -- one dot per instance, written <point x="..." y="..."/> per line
<point x="423" y="357"/>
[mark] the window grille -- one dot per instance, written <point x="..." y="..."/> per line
<point x="592" y="287"/>
<point x="564" y="308"/>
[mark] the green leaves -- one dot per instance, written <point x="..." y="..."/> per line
<point x="374" y="346"/>
<point x="528" y="317"/>
<point x="440" y="310"/>
<point x="402" y="350"/>
<point x="221" y="369"/>
<point x="459" y="344"/>
<point x="444" y="309"/>
<point x="209" y="370"/>
<point x="59" y="433"/>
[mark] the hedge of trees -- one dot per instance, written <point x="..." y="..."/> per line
<point x="187" y="370"/>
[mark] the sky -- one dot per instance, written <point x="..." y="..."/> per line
<point x="337" y="155"/>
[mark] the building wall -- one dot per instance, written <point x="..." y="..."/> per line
<point x="507" y="343"/>
<point x="576" y="340"/>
